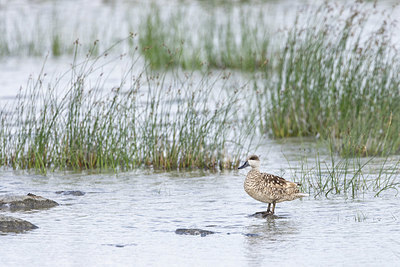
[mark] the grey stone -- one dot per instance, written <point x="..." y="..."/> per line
<point x="27" y="202"/>
<point x="11" y="224"/>
<point x="264" y="215"/>
<point x="182" y="231"/>
<point x="71" y="192"/>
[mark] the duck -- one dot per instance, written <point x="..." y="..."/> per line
<point x="268" y="188"/>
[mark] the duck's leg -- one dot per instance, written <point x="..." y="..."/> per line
<point x="273" y="207"/>
<point x="269" y="208"/>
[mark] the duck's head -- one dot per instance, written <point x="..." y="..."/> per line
<point x="252" y="161"/>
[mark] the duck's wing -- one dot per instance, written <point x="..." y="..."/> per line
<point x="278" y="182"/>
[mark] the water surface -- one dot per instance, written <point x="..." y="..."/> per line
<point x="130" y="219"/>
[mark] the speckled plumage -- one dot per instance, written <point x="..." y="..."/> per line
<point x="268" y="188"/>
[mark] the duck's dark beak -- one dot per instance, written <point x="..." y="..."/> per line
<point x="246" y="164"/>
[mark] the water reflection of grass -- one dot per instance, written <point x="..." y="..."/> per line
<point x="360" y="217"/>
<point x="144" y="120"/>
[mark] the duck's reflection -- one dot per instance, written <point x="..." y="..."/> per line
<point x="265" y="235"/>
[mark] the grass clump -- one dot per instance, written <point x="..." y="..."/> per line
<point x="213" y="43"/>
<point x="155" y="38"/>
<point x="81" y="121"/>
<point x="339" y="80"/>
<point x="330" y="175"/>
<point x="220" y="38"/>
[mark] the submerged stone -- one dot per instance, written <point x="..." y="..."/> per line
<point x="28" y="202"/>
<point x="263" y="215"/>
<point x="11" y="224"/>
<point x="251" y="235"/>
<point x="120" y="245"/>
<point x="71" y="193"/>
<point x="182" y="231"/>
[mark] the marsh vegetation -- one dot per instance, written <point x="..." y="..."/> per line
<point x="339" y="81"/>
<point x="147" y="119"/>
<point x="199" y="95"/>
<point x="230" y="41"/>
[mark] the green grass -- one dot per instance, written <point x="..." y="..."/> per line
<point x="174" y="42"/>
<point x="154" y="35"/>
<point x="338" y="80"/>
<point x="166" y="39"/>
<point x="331" y="175"/>
<point x="148" y="119"/>
<point x="332" y="78"/>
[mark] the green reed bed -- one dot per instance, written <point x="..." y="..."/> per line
<point x="214" y="41"/>
<point x="220" y="37"/>
<point x="80" y="121"/>
<point x="339" y="80"/>
<point x="330" y="175"/>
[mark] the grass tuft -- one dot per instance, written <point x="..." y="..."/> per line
<point x="230" y="43"/>
<point x="330" y="175"/>
<point x="338" y="80"/>
<point x="148" y="119"/>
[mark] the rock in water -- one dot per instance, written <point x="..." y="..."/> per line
<point x="11" y="224"/>
<point x="182" y="231"/>
<point x="263" y="215"/>
<point x="72" y="193"/>
<point x="27" y="202"/>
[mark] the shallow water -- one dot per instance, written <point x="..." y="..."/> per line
<point x="131" y="218"/>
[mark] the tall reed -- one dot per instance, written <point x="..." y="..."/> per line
<point x="327" y="175"/>
<point x="215" y="42"/>
<point x="220" y="38"/>
<point x="338" y="79"/>
<point x="81" y="121"/>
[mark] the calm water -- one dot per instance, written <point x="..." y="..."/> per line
<point x="131" y="218"/>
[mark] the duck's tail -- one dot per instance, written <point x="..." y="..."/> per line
<point x="302" y="195"/>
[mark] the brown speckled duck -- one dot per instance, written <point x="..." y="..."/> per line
<point x="268" y="188"/>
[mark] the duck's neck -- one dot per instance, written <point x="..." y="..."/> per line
<point x="255" y="169"/>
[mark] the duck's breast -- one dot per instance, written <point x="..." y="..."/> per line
<point x="258" y="188"/>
